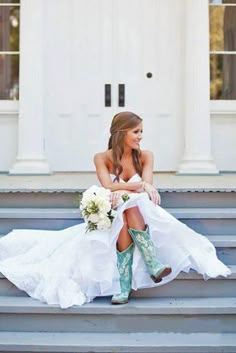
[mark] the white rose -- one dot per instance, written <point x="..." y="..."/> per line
<point x="104" y="223"/>
<point x="102" y="216"/>
<point x="104" y="206"/>
<point x="94" y="218"/>
<point x="86" y="201"/>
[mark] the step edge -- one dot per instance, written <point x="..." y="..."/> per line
<point x="143" y="340"/>
<point x="180" y="213"/>
<point x="136" y="306"/>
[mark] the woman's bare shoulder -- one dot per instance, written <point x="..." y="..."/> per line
<point x="146" y="155"/>
<point x="104" y="157"/>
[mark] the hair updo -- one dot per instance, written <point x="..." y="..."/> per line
<point x="121" y="123"/>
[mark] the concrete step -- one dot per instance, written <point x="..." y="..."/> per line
<point x="223" y="241"/>
<point x="193" y="285"/>
<point x="38" y="218"/>
<point x="225" y="247"/>
<point x="63" y="198"/>
<point x="212" y="221"/>
<point x="179" y="315"/>
<point x="201" y="198"/>
<point x="152" y="342"/>
<point x="185" y="285"/>
<point x="180" y="213"/>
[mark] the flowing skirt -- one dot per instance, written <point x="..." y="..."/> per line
<point x="71" y="267"/>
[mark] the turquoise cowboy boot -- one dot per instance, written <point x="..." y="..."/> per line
<point x="147" y="249"/>
<point x="124" y="264"/>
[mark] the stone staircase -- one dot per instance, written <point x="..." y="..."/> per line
<point x="186" y="315"/>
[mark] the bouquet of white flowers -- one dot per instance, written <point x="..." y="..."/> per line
<point x="96" y="208"/>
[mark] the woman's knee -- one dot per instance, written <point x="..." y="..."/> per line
<point x="134" y="218"/>
<point x="132" y="211"/>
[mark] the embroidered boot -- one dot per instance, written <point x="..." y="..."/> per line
<point x="147" y="249"/>
<point x="124" y="264"/>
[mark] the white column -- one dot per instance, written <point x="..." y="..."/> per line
<point x="31" y="157"/>
<point x="197" y="158"/>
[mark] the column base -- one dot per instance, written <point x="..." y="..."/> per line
<point x="30" y="167"/>
<point x="200" y="166"/>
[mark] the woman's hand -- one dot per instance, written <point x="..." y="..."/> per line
<point x="116" y="197"/>
<point x="152" y="193"/>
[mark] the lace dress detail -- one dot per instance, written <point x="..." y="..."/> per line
<point x="71" y="267"/>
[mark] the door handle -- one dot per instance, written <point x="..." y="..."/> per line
<point x="121" y="91"/>
<point x="107" y="95"/>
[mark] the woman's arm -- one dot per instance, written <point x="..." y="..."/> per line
<point x="147" y="160"/>
<point x="100" y="161"/>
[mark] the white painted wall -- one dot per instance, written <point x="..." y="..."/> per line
<point x="61" y="91"/>
<point x="224" y="141"/>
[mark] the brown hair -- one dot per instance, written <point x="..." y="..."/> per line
<point x="121" y="123"/>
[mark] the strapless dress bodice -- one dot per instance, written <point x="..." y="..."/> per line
<point x="134" y="178"/>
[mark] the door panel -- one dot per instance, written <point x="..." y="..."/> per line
<point x="115" y="42"/>
<point x="93" y="63"/>
<point x="143" y="64"/>
<point x="79" y="120"/>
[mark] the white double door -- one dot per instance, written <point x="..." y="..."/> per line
<point x="120" y="63"/>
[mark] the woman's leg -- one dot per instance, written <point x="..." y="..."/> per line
<point x="134" y="219"/>
<point x="125" y="249"/>
<point x="140" y="235"/>
<point x="124" y="239"/>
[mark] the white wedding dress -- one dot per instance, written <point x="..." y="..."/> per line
<point x="71" y="267"/>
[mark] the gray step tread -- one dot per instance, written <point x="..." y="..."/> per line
<point x="194" y="275"/>
<point x="228" y="241"/>
<point x="147" y="306"/>
<point x="72" y="213"/>
<point x="203" y="212"/>
<point x="44" y="213"/>
<point x="117" y="342"/>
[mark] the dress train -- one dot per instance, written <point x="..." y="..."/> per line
<point x="71" y="267"/>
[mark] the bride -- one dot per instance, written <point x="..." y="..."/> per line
<point x="145" y="247"/>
